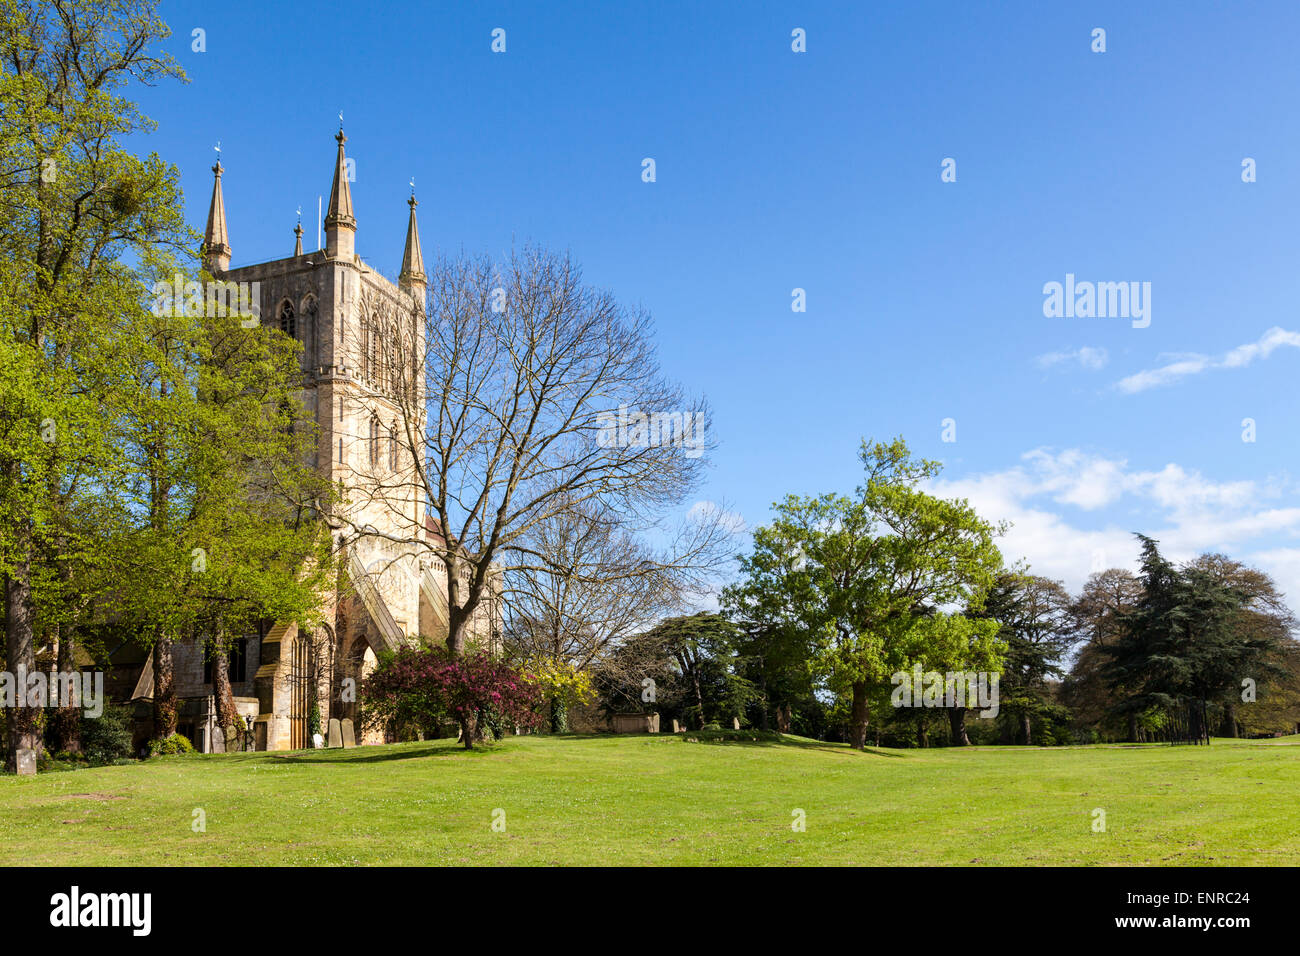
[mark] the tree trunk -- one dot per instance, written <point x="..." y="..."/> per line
<point x="67" y="720"/>
<point x="1025" y="729"/>
<point x="468" y="730"/>
<point x="20" y="652"/>
<point x="858" y="725"/>
<point x="1229" y="727"/>
<point x="455" y="618"/>
<point x="1132" y="728"/>
<point x="922" y="731"/>
<point x="455" y="633"/>
<point x="559" y="716"/>
<point x="957" y="723"/>
<point x="459" y="612"/>
<point x="164" y="688"/>
<point x="221" y="692"/>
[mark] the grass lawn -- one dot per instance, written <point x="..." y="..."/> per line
<point x="661" y="800"/>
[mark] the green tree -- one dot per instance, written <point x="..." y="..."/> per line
<point x="1033" y="614"/>
<point x="775" y="661"/>
<point x="967" y="643"/>
<point x="703" y="647"/>
<point x="1098" y="612"/>
<point x="231" y="510"/>
<point x="75" y="209"/>
<point x="862" y="574"/>
<point x="1185" y="644"/>
<point x="1265" y="618"/>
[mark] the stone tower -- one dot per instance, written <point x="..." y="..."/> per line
<point x="362" y="339"/>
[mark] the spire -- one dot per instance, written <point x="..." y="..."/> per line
<point x="340" y="223"/>
<point x="297" y="233"/>
<point x="412" y="273"/>
<point x="216" y="241"/>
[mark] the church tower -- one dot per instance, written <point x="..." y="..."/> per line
<point x="362" y="341"/>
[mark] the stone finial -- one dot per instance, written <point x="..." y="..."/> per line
<point x="412" y="276"/>
<point x="340" y="221"/>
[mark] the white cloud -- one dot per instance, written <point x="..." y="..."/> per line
<point x="1181" y="366"/>
<point x="1053" y="500"/>
<point x="1087" y="357"/>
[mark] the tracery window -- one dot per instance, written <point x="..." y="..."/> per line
<point x="310" y="333"/>
<point x="365" y="347"/>
<point x="288" y="320"/>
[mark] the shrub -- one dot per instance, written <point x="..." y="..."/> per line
<point x="62" y="760"/>
<point x="417" y="686"/>
<point x="563" y="684"/>
<point x="170" y="746"/>
<point x="107" y="738"/>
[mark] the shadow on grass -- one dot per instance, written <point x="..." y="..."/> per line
<point x="830" y="746"/>
<point x="787" y="740"/>
<point x="382" y="753"/>
<point x="447" y="748"/>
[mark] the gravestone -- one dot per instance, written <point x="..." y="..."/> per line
<point x="336" y="733"/>
<point x="632" y="724"/>
<point x="349" y="736"/>
<point x="26" y="762"/>
<point x="677" y="728"/>
<point x="218" y="741"/>
<point x="317" y="741"/>
<point x="735" y="723"/>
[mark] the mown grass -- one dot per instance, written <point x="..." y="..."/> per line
<point x="662" y="800"/>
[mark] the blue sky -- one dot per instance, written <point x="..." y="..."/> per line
<point x="820" y="170"/>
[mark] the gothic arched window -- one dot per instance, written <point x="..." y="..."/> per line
<point x="392" y="449"/>
<point x="377" y="359"/>
<point x="310" y="333"/>
<point x="395" y="367"/>
<point x="374" y="442"/>
<point x="288" y="320"/>
<point x="365" y="347"/>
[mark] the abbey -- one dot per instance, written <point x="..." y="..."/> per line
<point x="362" y="339"/>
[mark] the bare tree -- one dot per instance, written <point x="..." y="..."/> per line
<point x="588" y="584"/>
<point x="533" y="398"/>
<point x="585" y="582"/>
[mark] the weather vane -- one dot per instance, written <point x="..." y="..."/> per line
<point x="340" y="120"/>
<point x="218" y="149"/>
<point x="412" y="185"/>
<point x="300" y="214"/>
